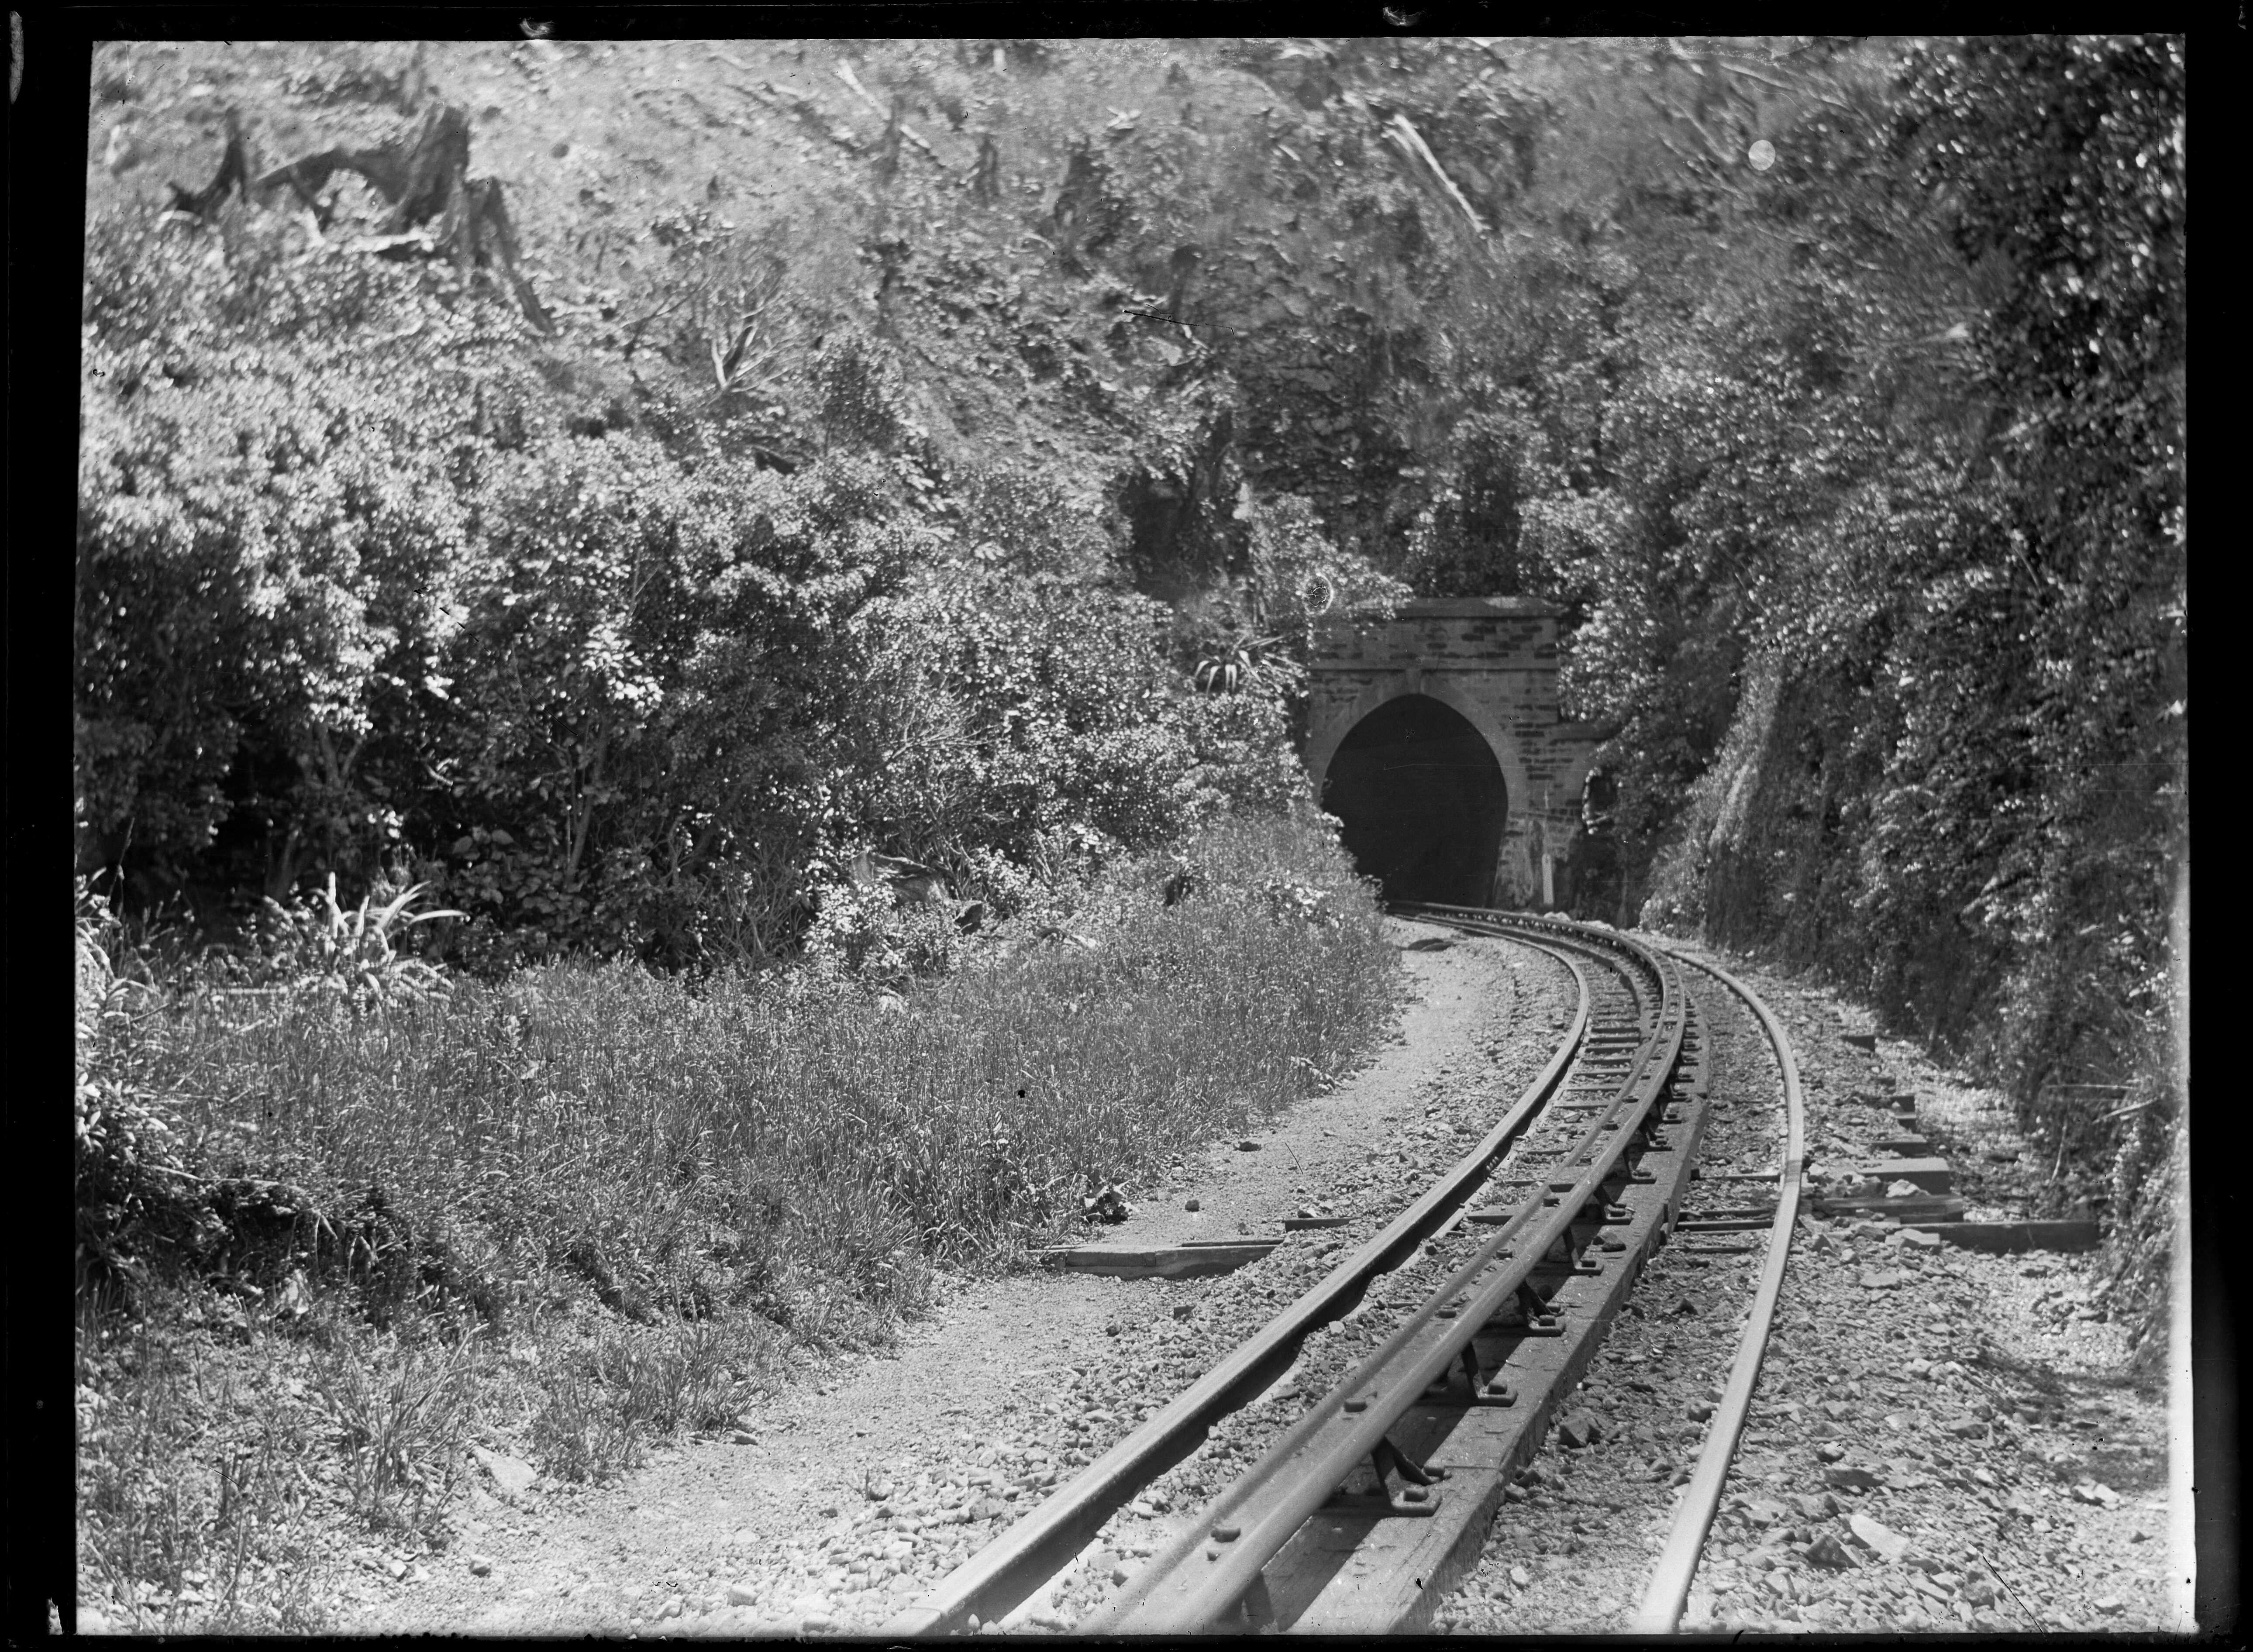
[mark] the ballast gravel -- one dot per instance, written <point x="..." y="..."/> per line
<point x="1940" y="1440"/>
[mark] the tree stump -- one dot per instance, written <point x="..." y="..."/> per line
<point x="234" y="172"/>
<point x="423" y="175"/>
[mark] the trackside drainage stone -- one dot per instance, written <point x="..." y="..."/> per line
<point x="1923" y="1176"/>
<point x="1194" y="1259"/>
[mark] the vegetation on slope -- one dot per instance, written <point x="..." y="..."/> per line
<point x="1889" y="411"/>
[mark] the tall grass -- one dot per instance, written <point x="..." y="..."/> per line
<point x="794" y="1146"/>
<point x="197" y="1480"/>
<point x="653" y="1190"/>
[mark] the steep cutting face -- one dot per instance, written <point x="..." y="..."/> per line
<point x="1422" y="801"/>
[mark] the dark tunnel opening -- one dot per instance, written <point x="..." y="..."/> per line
<point x="1422" y="802"/>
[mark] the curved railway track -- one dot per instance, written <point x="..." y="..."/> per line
<point x="1363" y="1511"/>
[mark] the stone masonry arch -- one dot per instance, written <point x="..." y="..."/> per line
<point x="1322" y="746"/>
<point x="1493" y="662"/>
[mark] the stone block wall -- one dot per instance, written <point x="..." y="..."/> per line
<point x="1494" y="660"/>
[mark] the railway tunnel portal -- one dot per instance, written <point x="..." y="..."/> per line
<point x="1436" y="738"/>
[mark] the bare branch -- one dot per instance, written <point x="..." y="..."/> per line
<point x="1410" y="144"/>
<point x="806" y="110"/>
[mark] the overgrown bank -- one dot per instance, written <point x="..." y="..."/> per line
<point x="1858" y="361"/>
<point x="586" y="1205"/>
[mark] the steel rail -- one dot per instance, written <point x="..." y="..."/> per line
<point x="1251" y="1522"/>
<point x="1661" y="1610"/>
<point x="1006" y="1572"/>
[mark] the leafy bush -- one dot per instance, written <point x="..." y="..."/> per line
<point x="863" y="929"/>
<point x="1017" y="518"/>
<point x="1056" y="708"/>
<point x="596" y="680"/>
<point x="1244" y="762"/>
<point x="268" y="548"/>
<point x="600" y="694"/>
<point x="861" y="394"/>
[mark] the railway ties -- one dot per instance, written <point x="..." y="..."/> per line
<point x="1365" y="1509"/>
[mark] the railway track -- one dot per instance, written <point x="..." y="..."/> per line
<point x="1362" y="1512"/>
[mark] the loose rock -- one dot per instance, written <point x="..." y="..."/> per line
<point x="1826" y="1550"/>
<point x="1882" y="1539"/>
<point x="1580" y="1429"/>
<point x="512" y="1475"/>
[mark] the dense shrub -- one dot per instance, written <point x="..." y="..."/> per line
<point x="604" y="692"/>
<point x="1063" y="711"/>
